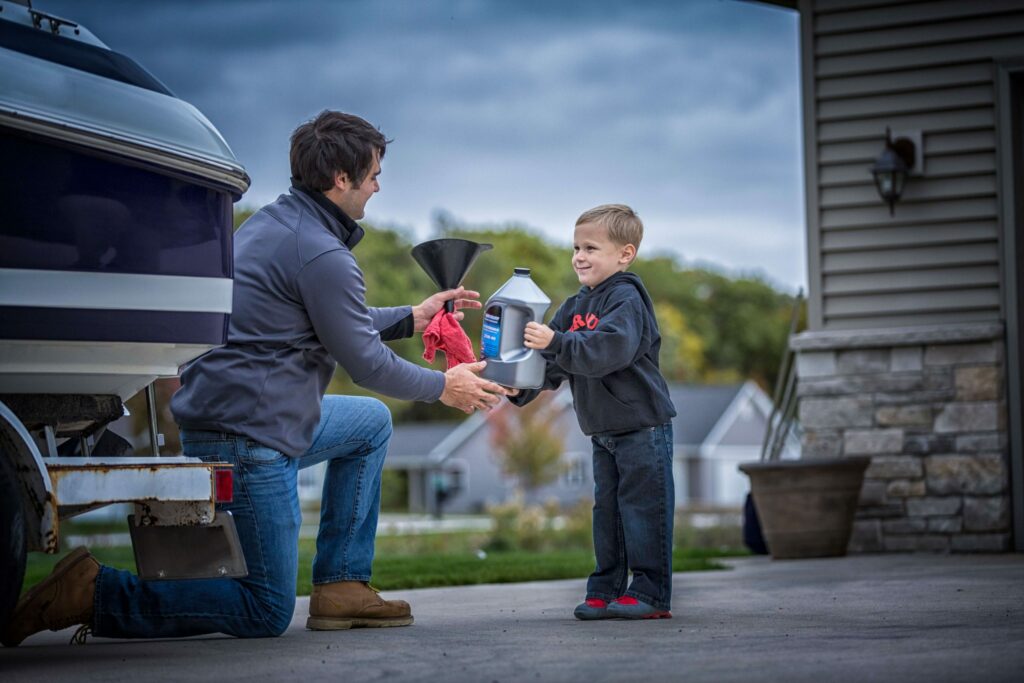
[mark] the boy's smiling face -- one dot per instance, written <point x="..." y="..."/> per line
<point x="595" y="257"/>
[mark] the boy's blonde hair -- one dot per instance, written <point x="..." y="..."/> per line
<point x="623" y="225"/>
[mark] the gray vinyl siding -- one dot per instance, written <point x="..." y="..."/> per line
<point x="925" y="66"/>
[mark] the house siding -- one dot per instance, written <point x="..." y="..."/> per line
<point x="905" y="358"/>
<point x="913" y="66"/>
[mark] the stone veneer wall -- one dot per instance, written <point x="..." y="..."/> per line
<point x="928" y="405"/>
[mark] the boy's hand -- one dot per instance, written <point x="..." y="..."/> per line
<point x="537" y="336"/>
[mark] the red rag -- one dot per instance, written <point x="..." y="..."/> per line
<point x="444" y="333"/>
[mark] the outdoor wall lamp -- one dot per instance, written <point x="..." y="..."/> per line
<point x="900" y="158"/>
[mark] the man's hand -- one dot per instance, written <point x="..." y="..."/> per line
<point x="537" y="336"/>
<point x="467" y="392"/>
<point x="424" y="313"/>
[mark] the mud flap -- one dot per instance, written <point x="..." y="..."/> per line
<point x="188" y="552"/>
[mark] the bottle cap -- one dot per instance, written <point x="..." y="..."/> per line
<point x="521" y="271"/>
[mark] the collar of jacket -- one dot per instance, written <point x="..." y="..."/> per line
<point x="624" y="276"/>
<point x="338" y="222"/>
<point x="609" y="281"/>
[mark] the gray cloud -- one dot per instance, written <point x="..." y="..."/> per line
<point x="529" y="111"/>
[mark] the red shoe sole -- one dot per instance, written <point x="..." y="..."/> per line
<point x="659" y="615"/>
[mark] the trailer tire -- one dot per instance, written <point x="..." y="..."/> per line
<point x="12" y="541"/>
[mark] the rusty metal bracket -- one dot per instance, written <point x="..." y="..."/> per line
<point x="178" y="513"/>
<point x="86" y="483"/>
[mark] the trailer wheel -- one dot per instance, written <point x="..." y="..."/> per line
<point x="12" y="541"/>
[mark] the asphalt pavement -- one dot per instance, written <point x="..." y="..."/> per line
<point x="866" y="618"/>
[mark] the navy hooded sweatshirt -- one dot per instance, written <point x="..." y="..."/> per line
<point x="606" y="344"/>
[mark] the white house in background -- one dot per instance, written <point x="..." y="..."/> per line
<point x="717" y="428"/>
<point x="453" y="464"/>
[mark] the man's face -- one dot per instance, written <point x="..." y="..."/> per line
<point x="352" y="200"/>
<point x="595" y="257"/>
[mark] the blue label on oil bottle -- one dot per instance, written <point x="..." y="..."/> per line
<point x="490" y="339"/>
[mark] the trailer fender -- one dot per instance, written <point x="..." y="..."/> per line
<point x="37" y="499"/>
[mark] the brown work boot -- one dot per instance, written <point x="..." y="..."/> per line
<point x="62" y="599"/>
<point x="352" y="604"/>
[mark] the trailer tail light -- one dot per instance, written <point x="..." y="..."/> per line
<point x="223" y="486"/>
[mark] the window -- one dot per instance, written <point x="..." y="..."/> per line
<point x="576" y="472"/>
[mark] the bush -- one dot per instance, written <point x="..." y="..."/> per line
<point x="535" y="528"/>
<point x="579" y="525"/>
<point x="394" y="491"/>
<point x="709" y="530"/>
<point x="518" y="526"/>
<point x="511" y="525"/>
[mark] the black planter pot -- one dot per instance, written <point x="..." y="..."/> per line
<point x="806" y="507"/>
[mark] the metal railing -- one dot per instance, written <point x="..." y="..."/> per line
<point x="784" y="403"/>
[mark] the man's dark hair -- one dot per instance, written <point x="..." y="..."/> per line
<point x="332" y="143"/>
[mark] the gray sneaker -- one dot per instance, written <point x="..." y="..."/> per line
<point x="628" y="607"/>
<point x="591" y="608"/>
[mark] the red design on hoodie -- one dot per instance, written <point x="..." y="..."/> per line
<point x="579" y="322"/>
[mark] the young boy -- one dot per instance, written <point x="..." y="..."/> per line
<point x="605" y="341"/>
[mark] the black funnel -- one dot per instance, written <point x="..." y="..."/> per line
<point x="447" y="261"/>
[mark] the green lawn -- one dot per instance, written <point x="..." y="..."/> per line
<point x="424" y="571"/>
<point x="430" y="560"/>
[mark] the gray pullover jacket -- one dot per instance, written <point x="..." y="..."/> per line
<point x="298" y="309"/>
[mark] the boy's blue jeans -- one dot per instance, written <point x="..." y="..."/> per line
<point x="353" y="435"/>
<point x="634" y="502"/>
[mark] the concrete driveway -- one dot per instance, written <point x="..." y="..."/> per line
<point x="868" y="618"/>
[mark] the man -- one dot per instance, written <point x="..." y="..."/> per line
<point x="258" y="403"/>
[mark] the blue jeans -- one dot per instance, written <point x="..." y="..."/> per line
<point x="353" y="435"/>
<point x="634" y="502"/>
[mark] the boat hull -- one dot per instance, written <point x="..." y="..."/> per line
<point x="112" y="273"/>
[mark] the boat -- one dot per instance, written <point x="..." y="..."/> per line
<point x="116" y="228"/>
<point x="115" y="269"/>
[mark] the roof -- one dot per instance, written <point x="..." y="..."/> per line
<point x="699" y="408"/>
<point x="418" y="438"/>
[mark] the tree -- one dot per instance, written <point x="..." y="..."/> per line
<point x="241" y="215"/>
<point x="527" y="443"/>
<point x="682" y="349"/>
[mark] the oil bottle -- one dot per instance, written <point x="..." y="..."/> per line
<point x="506" y="313"/>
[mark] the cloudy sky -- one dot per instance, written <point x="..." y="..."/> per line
<point x="511" y="111"/>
